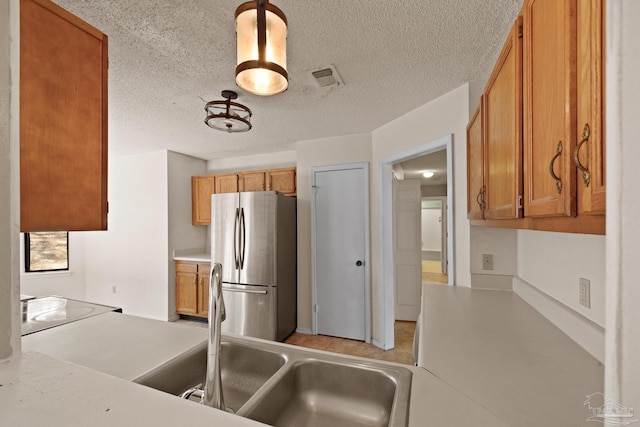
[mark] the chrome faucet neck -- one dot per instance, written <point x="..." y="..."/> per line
<point x="213" y="386"/>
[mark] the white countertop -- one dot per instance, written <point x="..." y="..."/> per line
<point x="496" y="349"/>
<point x="37" y="390"/>
<point x="195" y="255"/>
<point x="66" y="394"/>
<point x="105" y="342"/>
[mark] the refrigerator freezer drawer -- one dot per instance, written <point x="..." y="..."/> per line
<point x="251" y="311"/>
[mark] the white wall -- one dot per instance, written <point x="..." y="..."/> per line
<point x="431" y="230"/>
<point x="445" y="115"/>
<point x="549" y="268"/>
<point x="622" y="372"/>
<point x="149" y="217"/>
<point x="283" y="159"/>
<point x="319" y="152"/>
<point x="182" y="235"/>
<point x="132" y="255"/>
<point x="9" y="190"/>
<point x="433" y="190"/>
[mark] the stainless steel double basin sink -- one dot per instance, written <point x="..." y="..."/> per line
<point x="286" y="386"/>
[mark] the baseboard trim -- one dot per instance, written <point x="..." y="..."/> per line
<point x="304" y="331"/>
<point x="431" y="255"/>
<point x="588" y="334"/>
<point x="492" y="281"/>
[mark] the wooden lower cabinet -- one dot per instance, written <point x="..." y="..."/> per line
<point x="192" y="288"/>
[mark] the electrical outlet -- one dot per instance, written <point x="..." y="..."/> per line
<point x="585" y="292"/>
<point x="487" y="261"/>
<point x="113" y="289"/>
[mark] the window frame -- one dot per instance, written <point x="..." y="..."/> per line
<point x="27" y="256"/>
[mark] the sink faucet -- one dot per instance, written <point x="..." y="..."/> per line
<point x="213" y="384"/>
<point x="212" y="394"/>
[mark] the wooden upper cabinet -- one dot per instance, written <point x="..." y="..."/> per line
<point x="251" y="181"/>
<point x="282" y="180"/>
<point x="589" y="153"/>
<point x="201" y="190"/>
<point x="202" y="187"/>
<point x="549" y="31"/>
<point x="502" y="112"/>
<point x="226" y="183"/>
<point x="63" y="120"/>
<point x="475" y="161"/>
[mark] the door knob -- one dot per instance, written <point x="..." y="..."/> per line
<point x="359" y="263"/>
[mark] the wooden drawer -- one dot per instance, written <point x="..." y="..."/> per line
<point x="186" y="267"/>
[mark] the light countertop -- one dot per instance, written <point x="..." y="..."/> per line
<point x="66" y="392"/>
<point x="496" y="349"/>
<point x="117" y="344"/>
<point x="194" y="255"/>
<point x="487" y="357"/>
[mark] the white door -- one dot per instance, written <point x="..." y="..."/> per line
<point x="407" y="236"/>
<point x="340" y="227"/>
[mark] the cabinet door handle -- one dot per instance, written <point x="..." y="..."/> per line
<point x="586" y="176"/>
<point x="480" y="197"/>
<point x="553" y="174"/>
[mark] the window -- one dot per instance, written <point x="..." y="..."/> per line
<point x="46" y="251"/>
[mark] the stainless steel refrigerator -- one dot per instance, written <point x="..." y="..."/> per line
<point x="253" y="236"/>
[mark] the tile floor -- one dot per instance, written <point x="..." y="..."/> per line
<point x="432" y="273"/>
<point x="400" y="354"/>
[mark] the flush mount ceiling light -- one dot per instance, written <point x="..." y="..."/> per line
<point x="261" y="30"/>
<point x="226" y="115"/>
<point x="427" y="174"/>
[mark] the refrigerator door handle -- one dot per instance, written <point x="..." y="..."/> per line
<point x="235" y="239"/>
<point x="243" y="232"/>
<point x="244" y="291"/>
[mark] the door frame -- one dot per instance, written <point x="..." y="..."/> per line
<point x="387" y="303"/>
<point x="367" y="247"/>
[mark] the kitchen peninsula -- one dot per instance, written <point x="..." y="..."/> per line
<point x="38" y="387"/>
<point x="498" y="363"/>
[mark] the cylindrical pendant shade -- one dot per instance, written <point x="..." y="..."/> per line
<point x="261" y="58"/>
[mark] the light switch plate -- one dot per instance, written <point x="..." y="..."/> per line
<point x="585" y="292"/>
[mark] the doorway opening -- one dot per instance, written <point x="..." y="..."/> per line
<point x="387" y="264"/>
<point x="434" y="245"/>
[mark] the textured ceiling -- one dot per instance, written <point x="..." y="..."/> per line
<point x="168" y="58"/>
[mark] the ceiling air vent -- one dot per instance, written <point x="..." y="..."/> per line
<point x="326" y="77"/>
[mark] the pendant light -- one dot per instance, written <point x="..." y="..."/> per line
<point x="261" y="31"/>
<point x="228" y="116"/>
